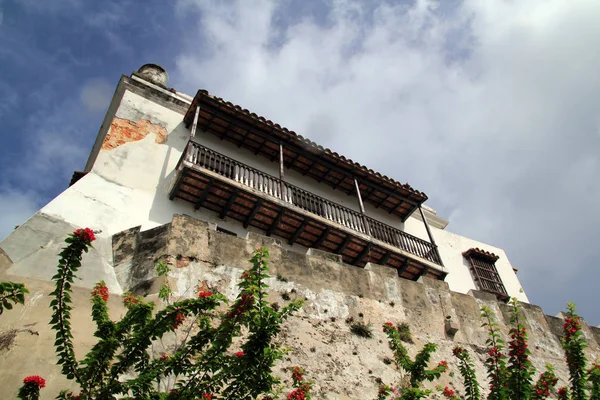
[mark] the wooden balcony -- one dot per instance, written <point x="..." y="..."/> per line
<point x="214" y="181"/>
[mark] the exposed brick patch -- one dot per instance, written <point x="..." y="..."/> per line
<point x="123" y="131"/>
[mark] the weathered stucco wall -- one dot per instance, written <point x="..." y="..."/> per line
<point x="131" y="170"/>
<point x="343" y="365"/>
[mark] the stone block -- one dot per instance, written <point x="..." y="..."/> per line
<point x="124" y="245"/>
<point x="451" y="326"/>
<point x="434" y="283"/>
<point x="478" y="294"/>
<point x="324" y="254"/>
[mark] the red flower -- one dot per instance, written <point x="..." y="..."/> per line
<point x="443" y="365"/>
<point x="458" y="351"/>
<point x="179" y="318"/>
<point x="130" y="299"/>
<point x="100" y="290"/>
<point x="388" y="325"/>
<point x="35" y="380"/>
<point x="562" y="393"/>
<point x="296" y="394"/>
<point x="87" y="235"/>
<point x="449" y="393"/>
<point x="297" y="374"/>
<point x="239" y="354"/>
<point x="164" y="356"/>
<point x="384" y="389"/>
<point x="207" y="396"/>
<point x="203" y="294"/>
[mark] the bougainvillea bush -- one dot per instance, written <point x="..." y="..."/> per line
<point x="417" y="370"/>
<point x="11" y="293"/>
<point x="208" y="364"/>
<point x="227" y="351"/>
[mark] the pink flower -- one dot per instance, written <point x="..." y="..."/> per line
<point x="35" y="380"/>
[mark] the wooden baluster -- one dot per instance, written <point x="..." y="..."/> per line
<point x="359" y="224"/>
<point x="338" y="216"/>
<point x="191" y="153"/>
<point x="356" y="222"/>
<point x="326" y="210"/>
<point x="230" y="169"/>
<point x="388" y="235"/>
<point x="224" y="164"/>
<point x="380" y="232"/>
<point x="375" y="229"/>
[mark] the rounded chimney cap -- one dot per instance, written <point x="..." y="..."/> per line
<point x="154" y="73"/>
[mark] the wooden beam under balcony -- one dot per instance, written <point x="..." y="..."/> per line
<point x="261" y="137"/>
<point x="252" y="214"/>
<point x="234" y="190"/>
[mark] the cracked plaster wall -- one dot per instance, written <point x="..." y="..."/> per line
<point x="344" y="365"/>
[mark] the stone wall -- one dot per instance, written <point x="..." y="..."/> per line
<point x="343" y="365"/>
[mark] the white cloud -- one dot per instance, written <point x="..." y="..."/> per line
<point x="15" y="208"/>
<point x="96" y="94"/>
<point x="489" y="107"/>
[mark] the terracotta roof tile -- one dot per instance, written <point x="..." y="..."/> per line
<point x="476" y="251"/>
<point x="312" y="144"/>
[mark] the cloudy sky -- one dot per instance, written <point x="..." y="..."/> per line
<point x="490" y="107"/>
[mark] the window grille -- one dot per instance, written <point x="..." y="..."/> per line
<point x="485" y="273"/>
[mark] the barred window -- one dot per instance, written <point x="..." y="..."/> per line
<point x="484" y="271"/>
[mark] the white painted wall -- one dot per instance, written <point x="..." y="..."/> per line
<point x="451" y="246"/>
<point x="129" y="186"/>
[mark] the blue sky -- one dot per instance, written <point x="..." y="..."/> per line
<point x="491" y="108"/>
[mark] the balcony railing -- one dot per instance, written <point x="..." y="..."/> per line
<point x="291" y="194"/>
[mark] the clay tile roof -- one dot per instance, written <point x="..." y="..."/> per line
<point x="477" y="252"/>
<point x="310" y="143"/>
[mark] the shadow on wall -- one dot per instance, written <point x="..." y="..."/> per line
<point x="162" y="208"/>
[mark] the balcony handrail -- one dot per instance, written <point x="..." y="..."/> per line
<point x="268" y="184"/>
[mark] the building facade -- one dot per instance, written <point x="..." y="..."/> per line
<point x="160" y="152"/>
